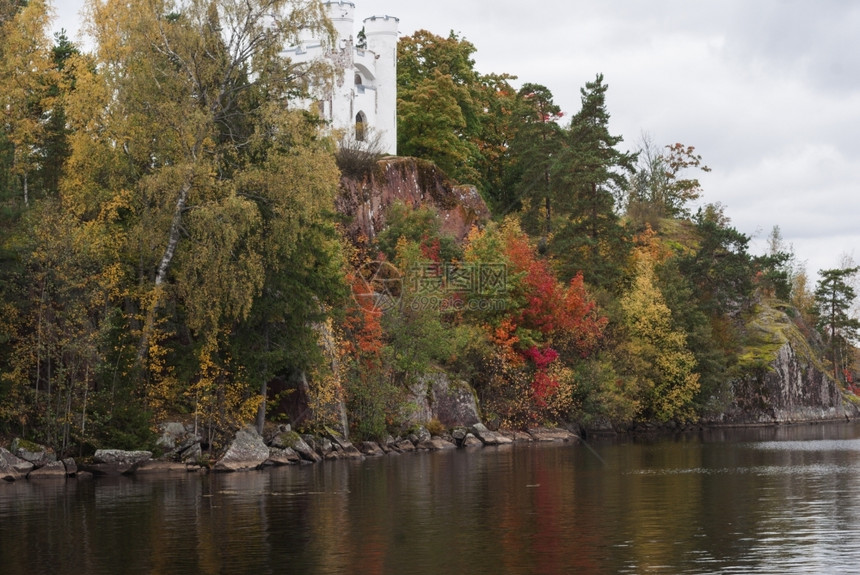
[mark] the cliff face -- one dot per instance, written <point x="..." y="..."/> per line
<point x="415" y="183"/>
<point x="784" y="382"/>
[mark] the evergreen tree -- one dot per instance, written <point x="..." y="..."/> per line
<point x="834" y="297"/>
<point x="537" y="138"/>
<point x="588" y="179"/>
<point x="721" y="268"/>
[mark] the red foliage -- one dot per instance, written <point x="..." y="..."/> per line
<point x="579" y="317"/>
<point x="541" y="290"/>
<point x="549" y="307"/>
<point x="541" y="359"/>
<point x="551" y="311"/>
<point x="362" y="326"/>
<point x="430" y="249"/>
<point x="543" y="386"/>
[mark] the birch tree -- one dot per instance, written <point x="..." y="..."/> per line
<point x="27" y="74"/>
<point x="184" y="124"/>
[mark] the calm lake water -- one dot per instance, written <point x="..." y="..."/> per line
<point x="781" y="500"/>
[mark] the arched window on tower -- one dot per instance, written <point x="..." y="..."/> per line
<point x="360" y="127"/>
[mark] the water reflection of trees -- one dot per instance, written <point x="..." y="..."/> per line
<point x="641" y="507"/>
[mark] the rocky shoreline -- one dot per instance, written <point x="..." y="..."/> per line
<point x="249" y="450"/>
<point x="183" y="450"/>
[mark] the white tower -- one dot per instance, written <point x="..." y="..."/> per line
<point x="381" y="33"/>
<point x="342" y="17"/>
<point x="362" y="97"/>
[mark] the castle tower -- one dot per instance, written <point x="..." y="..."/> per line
<point x="342" y="16"/>
<point x="381" y="33"/>
<point x="361" y="99"/>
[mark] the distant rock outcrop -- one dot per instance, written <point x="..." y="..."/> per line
<point x="416" y="183"/>
<point x="784" y="382"/>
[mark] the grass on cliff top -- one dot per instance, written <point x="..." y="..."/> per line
<point x="767" y="330"/>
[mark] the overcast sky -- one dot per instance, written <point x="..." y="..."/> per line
<point x="767" y="91"/>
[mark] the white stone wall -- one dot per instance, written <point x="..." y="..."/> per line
<point x="363" y="91"/>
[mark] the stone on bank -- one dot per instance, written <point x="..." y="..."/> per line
<point x="246" y="451"/>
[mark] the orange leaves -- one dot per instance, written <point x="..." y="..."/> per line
<point x="362" y="324"/>
<point x="551" y="309"/>
<point x="504" y="338"/>
<point x="545" y="328"/>
<point x="579" y="318"/>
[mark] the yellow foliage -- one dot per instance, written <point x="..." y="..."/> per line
<point x="26" y="75"/>
<point x="657" y="354"/>
<point x="162" y="389"/>
<point x="223" y="399"/>
<point x="326" y="394"/>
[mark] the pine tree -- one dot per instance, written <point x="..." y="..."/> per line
<point x="834" y="297"/>
<point x="589" y="176"/>
<point x="537" y="139"/>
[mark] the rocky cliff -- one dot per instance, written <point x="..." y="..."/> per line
<point x="364" y="201"/>
<point x="783" y="380"/>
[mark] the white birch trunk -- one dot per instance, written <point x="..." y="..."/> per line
<point x="163" y="268"/>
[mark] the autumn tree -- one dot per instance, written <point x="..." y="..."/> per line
<point x="202" y="198"/>
<point x="660" y="187"/>
<point x="46" y="317"/>
<point x="27" y="77"/>
<point x="656" y="352"/>
<point x="541" y="330"/>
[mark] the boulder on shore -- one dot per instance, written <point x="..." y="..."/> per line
<point x="551" y="434"/>
<point x="371" y="449"/>
<point x="247" y="451"/>
<point x="53" y="470"/>
<point x="7" y="473"/>
<point x="71" y="466"/>
<point x="17" y="464"/>
<point x="116" y="461"/>
<point x="282" y="456"/>
<point x="38" y="455"/>
<point x="435" y="396"/>
<point x="471" y="441"/>
<point x="435" y="444"/>
<point x="488" y="437"/>
<point x="304" y="450"/>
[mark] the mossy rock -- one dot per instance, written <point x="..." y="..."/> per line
<point x="26" y="445"/>
<point x="768" y="329"/>
<point x="286" y="439"/>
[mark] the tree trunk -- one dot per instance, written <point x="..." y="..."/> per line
<point x="544" y="242"/>
<point x="161" y="274"/>
<point x="261" y="411"/>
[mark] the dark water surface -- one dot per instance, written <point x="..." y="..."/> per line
<point x="779" y="500"/>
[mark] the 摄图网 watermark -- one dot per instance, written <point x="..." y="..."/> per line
<point x="442" y="287"/>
